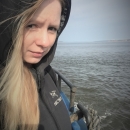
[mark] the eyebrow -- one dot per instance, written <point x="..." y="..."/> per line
<point x="57" y="26"/>
<point x="35" y="21"/>
<point x="41" y="22"/>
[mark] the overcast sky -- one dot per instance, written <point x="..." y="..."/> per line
<point x="95" y="20"/>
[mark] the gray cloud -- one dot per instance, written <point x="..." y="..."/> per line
<point x="99" y="20"/>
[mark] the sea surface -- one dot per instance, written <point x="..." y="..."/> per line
<point x="101" y="72"/>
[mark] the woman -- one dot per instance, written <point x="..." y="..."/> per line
<point x="29" y="98"/>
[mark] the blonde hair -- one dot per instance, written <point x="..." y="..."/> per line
<point x="18" y="89"/>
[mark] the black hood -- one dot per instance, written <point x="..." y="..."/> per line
<point x="10" y="8"/>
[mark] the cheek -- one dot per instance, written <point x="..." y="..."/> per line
<point x="53" y="39"/>
<point x="24" y="45"/>
<point x="27" y="40"/>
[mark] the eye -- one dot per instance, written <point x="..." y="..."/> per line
<point x="32" y="26"/>
<point x="53" y="29"/>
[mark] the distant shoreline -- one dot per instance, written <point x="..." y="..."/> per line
<point x="110" y="41"/>
<point x="124" y="40"/>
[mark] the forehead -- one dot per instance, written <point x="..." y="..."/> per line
<point x="48" y="10"/>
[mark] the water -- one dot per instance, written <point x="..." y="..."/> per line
<point x="101" y="72"/>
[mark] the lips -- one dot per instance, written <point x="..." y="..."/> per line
<point x="36" y="54"/>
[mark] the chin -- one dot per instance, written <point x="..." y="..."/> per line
<point x="33" y="60"/>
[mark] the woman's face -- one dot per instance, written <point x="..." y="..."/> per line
<point x="41" y="31"/>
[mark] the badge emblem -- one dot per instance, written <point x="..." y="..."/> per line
<point x="53" y="94"/>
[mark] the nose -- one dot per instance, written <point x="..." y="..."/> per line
<point x="42" y="39"/>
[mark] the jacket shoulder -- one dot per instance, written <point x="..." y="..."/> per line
<point x="53" y="112"/>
